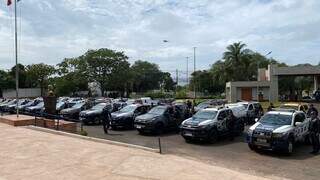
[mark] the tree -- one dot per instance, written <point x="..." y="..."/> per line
<point x="39" y="74"/>
<point x="22" y="75"/>
<point x="234" y="58"/>
<point x="106" y="64"/>
<point x="147" y="76"/>
<point x="167" y="82"/>
<point x="73" y="76"/>
<point x="6" y="81"/>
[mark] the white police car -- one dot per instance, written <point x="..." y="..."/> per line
<point x="278" y="130"/>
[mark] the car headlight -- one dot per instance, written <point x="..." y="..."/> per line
<point x="250" y="132"/>
<point x="278" y="135"/>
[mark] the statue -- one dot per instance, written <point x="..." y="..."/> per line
<point x="50" y="101"/>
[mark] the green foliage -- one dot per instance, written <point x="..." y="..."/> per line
<point x="6" y="81"/>
<point x="38" y="74"/>
<point x="158" y="95"/>
<point x="237" y="64"/>
<point x="83" y="133"/>
<point x="182" y="94"/>
<point x="147" y="76"/>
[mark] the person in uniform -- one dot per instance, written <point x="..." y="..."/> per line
<point x="271" y="106"/>
<point x="314" y="129"/>
<point x="106" y="118"/>
<point x="311" y="109"/>
<point x="231" y="125"/>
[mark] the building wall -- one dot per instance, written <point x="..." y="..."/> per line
<point x="27" y="92"/>
<point x="238" y="94"/>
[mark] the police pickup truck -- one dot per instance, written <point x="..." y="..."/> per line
<point x="211" y="123"/>
<point x="278" y="130"/>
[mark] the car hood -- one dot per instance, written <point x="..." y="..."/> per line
<point x="90" y="112"/>
<point x="69" y="110"/>
<point x="267" y="127"/>
<point x="35" y="107"/>
<point x="119" y="114"/>
<point x="147" y="116"/>
<point x="193" y="121"/>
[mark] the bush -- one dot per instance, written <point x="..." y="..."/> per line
<point x="158" y="95"/>
<point x="83" y="133"/>
<point x="181" y="95"/>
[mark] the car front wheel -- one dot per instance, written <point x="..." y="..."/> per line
<point x="290" y="146"/>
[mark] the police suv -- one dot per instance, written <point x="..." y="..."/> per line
<point x="278" y="130"/>
<point x="208" y="124"/>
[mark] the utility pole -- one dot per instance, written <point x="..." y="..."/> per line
<point x="194" y="70"/>
<point x="16" y="56"/>
<point x="177" y="79"/>
<point x="187" y="70"/>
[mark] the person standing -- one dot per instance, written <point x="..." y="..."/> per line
<point x="271" y="106"/>
<point x="314" y="130"/>
<point x="231" y="125"/>
<point x="106" y="118"/>
<point x="311" y="109"/>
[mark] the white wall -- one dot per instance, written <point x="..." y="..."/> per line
<point x="28" y="92"/>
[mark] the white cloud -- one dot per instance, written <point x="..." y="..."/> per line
<point x="52" y="30"/>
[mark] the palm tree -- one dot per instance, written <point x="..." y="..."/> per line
<point x="234" y="57"/>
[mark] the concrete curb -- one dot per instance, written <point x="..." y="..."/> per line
<point x="105" y="141"/>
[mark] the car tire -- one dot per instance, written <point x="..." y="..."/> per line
<point x="159" y="128"/>
<point x="213" y="136"/>
<point x="252" y="147"/>
<point x="290" y="146"/>
<point x="140" y="132"/>
<point x="97" y="120"/>
<point x="187" y="139"/>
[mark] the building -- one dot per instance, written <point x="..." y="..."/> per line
<point x="266" y="88"/>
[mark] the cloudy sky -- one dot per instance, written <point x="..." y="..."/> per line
<point x="51" y="30"/>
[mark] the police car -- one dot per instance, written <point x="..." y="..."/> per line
<point x="278" y="130"/>
<point x="210" y="123"/>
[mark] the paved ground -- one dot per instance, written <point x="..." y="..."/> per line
<point x="30" y="154"/>
<point x="231" y="154"/>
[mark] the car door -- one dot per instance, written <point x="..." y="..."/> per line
<point x="222" y="121"/>
<point x="300" y="128"/>
<point x="250" y="110"/>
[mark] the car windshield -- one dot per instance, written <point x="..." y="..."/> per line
<point x="128" y="109"/>
<point x="78" y="105"/>
<point x="158" y="110"/>
<point x="40" y="104"/>
<point x="276" y="119"/>
<point x="203" y="105"/>
<point x="289" y="107"/>
<point x="59" y="104"/>
<point x="99" y="106"/>
<point x="245" y="105"/>
<point x="29" y="103"/>
<point x="205" y="115"/>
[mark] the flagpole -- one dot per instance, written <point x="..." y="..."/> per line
<point x="16" y="55"/>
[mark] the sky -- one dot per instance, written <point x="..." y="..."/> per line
<point x="51" y="30"/>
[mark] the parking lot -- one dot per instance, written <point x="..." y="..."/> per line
<point x="231" y="154"/>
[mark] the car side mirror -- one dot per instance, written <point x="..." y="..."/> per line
<point x="297" y="123"/>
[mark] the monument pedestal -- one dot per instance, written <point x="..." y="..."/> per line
<point x="13" y="120"/>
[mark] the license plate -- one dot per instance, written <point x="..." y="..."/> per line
<point x="261" y="140"/>
<point x="139" y="126"/>
<point x="188" y="134"/>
